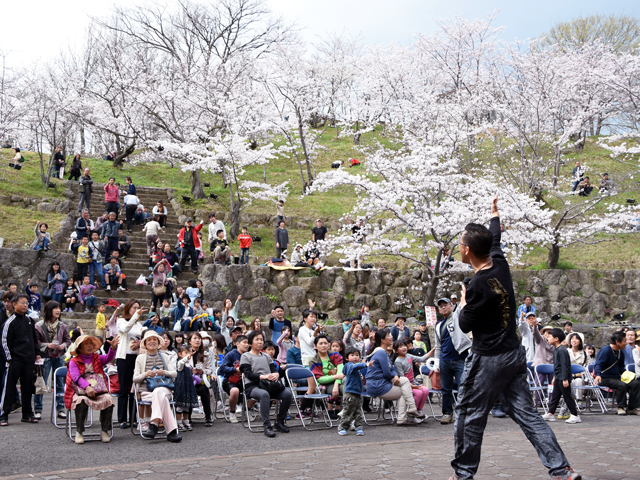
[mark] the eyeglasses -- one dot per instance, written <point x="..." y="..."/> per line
<point x="464" y="244"/>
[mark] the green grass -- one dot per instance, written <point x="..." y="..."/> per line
<point x="622" y="252"/>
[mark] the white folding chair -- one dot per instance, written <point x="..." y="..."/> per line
<point x="62" y="372"/>
<point x="136" y="421"/>
<point x="589" y="387"/>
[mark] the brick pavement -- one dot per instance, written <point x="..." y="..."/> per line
<point x="603" y="453"/>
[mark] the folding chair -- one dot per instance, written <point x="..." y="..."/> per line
<point x="535" y="386"/>
<point x="62" y="372"/>
<point x="600" y="389"/>
<point x="425" y="370"/>
<point x="136" y="421"/>
<point x="589" y="387"/>
<point x="381" y="418"/>
<point x="295" y="373"/>
<point x="248" y="412"/>
<point x="631" y="367"/>
<point x="543" y="369"/>
<point x="224" y="398"/>
<point x="88" y="437"/>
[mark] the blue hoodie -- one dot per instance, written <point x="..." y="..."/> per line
<point x="379" y="374"/>
<point x="353" y="380"/>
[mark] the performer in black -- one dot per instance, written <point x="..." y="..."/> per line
<point x="496" y="365"/>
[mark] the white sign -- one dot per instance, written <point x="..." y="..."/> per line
<point x="432" y="318"/>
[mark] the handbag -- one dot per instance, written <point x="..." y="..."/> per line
<point x="40" y="385"/>
<point x="159" y="290"/>
<point x="271" y="387"/>
<point x="435" y="380"/>
<point x="160" y="381"/>
<point x="47" y="292"/>
<point x="96" y="381"/>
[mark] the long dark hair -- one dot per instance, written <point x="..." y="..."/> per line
<point x="49" y="307"/>
<point x="199" y="354"/>
<point x="377" y="339"/>
<point x="51" y="271"/>
<point x="579" y="338"/>
<point x="170" y="347"/>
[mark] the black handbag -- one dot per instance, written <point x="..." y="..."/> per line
<point x="271" y="387"/>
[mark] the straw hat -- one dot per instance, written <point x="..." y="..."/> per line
<point x="81" y="339"/>
<point x="151" y="333"/>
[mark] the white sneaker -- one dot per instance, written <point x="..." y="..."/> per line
<point x="549" y="417"/>
<point x="38" y="415"/>
<point x="574" y="419"/>
<point x="122" y="289"/>
<point x="104" y="437"/>
<point x="238" y="409"/>
<point x="233" y="418"/>
<point x="219" y="406"/>
<point x="108" y="287"/>
<point x="79" y="438"/>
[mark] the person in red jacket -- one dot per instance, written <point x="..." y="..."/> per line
<point x="245" y="245"/>
<point x="189" y="242"/>
<point x="111" y="196"/>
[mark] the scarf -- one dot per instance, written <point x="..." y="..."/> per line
<point x="52" y="329"/>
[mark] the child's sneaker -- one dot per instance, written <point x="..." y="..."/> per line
<point x="574" y="419"/>
<point x="342" y="432"/>
<point x="181" y="427"/>
<point x="144" y="426"/>
<point x="189" y="427"/>
<point x="122" y="289"/>
<point x="108" y="287"/>
<point x="359" y="432"/>
<point x="233" y="418"/>
<point x="549" y="417"/>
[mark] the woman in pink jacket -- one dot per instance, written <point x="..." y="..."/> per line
<point x="111" y="196"/>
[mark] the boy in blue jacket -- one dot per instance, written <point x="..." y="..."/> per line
<point x="232" y="383"/>
<point x="352" y="399"/>
<point x="34" y="297"/>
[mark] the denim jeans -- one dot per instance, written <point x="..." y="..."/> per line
<point x="50" y="365"/>
<point x="484" y="379"/>
<point x="450" y="375"/>
<point x="244" y="256"/>
<point x="90" y="302"/>
<point x="45" y="244"/>
<point x="95" y="269"/>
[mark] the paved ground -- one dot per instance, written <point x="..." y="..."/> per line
<point x="601" y="448"/>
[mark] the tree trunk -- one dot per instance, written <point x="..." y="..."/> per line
<point x="599" y="124"/>
<point x="304" y="151"/>
<point x="264" y="172"/>
<point x="82" y="140"/>
<point x="119" y="158"/>
<point x="356" y="136"/>
<point x="554" y="256"/>
<point x="432" y="286"/>
<point x="196" y="185"/>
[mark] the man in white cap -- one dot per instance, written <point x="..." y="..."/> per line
<point x="454" y="301"/>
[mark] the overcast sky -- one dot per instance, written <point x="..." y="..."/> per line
<point x="37" y="29"/>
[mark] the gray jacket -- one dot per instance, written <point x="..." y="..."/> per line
<point x="282" y="237"/>
<point x="461" y="340"/>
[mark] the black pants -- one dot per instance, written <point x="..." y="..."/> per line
<point x="621" y="389"/>
<point x="24" y="372"/>
<point x="203" y="393"/>
<point x="83" y="270"/>
<point x="189" y="251"/>
<point x="483" y="379"/>
<point x="565" y="392"/>
<point x="263" y="398"/>
<point x="81" y="416"/>
<point x="129" y="214"/>
<point x="162" y="220"/>
<point x="125" y="378"/>
<point x="124" y="250"/>
<point x="111" y="207"/>
<point x="159" y="298"/>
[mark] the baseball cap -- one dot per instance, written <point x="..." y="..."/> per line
<point x="443" y="300"/>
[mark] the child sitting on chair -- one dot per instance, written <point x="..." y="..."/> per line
<point x="87" y="384"/>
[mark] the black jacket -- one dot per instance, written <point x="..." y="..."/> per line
<point x="19" y="339"/>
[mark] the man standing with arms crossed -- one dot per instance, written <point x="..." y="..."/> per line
<point x="496" y="365"/>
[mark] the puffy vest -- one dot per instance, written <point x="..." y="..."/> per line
<point x="97" y="368"/>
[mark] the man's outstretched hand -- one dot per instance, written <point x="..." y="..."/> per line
<point x="494" y="207"/>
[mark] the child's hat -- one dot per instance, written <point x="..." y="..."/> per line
<point x="97" y="343"/>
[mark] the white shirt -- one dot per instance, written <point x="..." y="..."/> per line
<point x="131" y="200"/>
<point x="213" y="230"/>
<point x="156" y="211"/>
<point x="306" y="342"/>
<point x="127" y="330"/>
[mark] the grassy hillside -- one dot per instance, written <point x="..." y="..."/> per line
<point x="623" y="252"/>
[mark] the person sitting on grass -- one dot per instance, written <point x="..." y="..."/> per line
<point x="262" y="384"/>
<point x="562" y="378"/>
<point x="87" y="384"/>
<point x="220" y="249"/>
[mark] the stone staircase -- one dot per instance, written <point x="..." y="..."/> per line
<point x="137" y="261"/>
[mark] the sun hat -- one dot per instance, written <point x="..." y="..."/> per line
<point x="80" y="340"/>
<point x="151" y="333"/>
